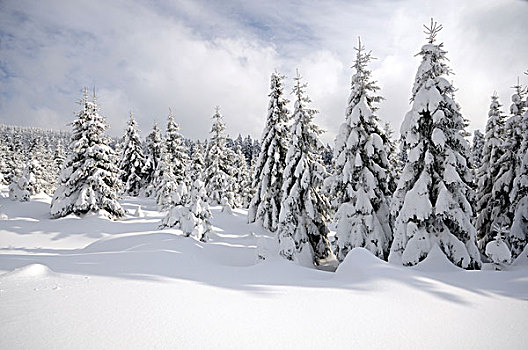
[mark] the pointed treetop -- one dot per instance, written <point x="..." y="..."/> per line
<point x="299" y="88"/>
<point x="432" y="31"/>
<point x="501" y="231"/>
<point x="362" y="58"/>
<point x="84" y="98"/>
<point x="518" y="87"/>
<point x="217" y="109"/>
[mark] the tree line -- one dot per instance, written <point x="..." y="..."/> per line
<point x="397" y="202"/>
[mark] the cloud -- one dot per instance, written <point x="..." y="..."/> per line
<point x="193" y="55"/>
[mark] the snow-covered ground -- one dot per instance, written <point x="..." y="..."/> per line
<point x="93" y="283"/>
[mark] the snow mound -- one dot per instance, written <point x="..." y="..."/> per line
<point x="436" y="261"/>
<point x="359" y="258"/>
<point x="139" y="212"/>
<point x="522" y="259"/>
<point x="30" y="271"/>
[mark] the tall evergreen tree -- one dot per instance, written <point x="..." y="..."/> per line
<point x="89" y="181"/>
<point x="510" y="164"/>
<point x="477" y="148"/>
<point x="196" y="166"/>
<point x="430" y="203"/>
<point x="243" y="179"/>
<point x="217" y="173"/>
<point x="153" y="156"/>
<point x="132" y="163"/>
<point x="518" y="237"/>
<point x="15" y="159"/>
<point x="518" y="131"/>
<point x="268" y="177"/>
<point x="4" y="154"/>
<point x="166" y="184"/>
<point x="360" y="182"/>
<point x="492" y="196"/>
<point x="59" y="156"/>
<point x="176" y="149"/>
<point x="303" y="230"/>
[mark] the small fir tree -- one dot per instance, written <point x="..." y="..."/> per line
<point x="217" y="173"/>
<point x="59" y="156"/>
<point x="153" y="156"/>
<point x="243" y="179"/>
<point x="193" y="218"/>
<point x="492" y="199"/>
<point x="175" y="147"/>
<point x="132" y="163"/>
<point x="166" y="183"/>
<point x="197" y="163"/>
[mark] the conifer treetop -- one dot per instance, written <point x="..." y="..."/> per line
<point x="432" y="30"/>
<point x="362" y="83"/>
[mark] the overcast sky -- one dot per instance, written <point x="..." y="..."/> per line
<point x="147" y="56"/>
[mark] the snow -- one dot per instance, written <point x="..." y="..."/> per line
<point x="97" y="283"/>
<point x="498" y="251"/>
<point x="436" y="261"/>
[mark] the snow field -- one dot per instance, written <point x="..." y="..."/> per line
<point x="96" y="283"/>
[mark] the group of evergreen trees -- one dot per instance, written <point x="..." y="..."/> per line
<point x="396" y="205"/>
<point x="502" y="173"/>
<point x="30" y="160"/>
<point x="437" y="190"/>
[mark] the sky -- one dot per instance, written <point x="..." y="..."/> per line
<point x="145" y="57"/>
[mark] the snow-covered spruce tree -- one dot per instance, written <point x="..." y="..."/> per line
<point x="393" y="155"/>
<point x="59" y="156"/>
<point x="176" y="149"/>
<point x="15" y="159"/>
<point x="89" y="179"/>
<point x="360" y="183"/>
<point x="166" y="183"/>
<point x="476" y="149"/>
<point x="497" y="250"/>
<point x="4" y="155"/>
<point x="193" y="218"/>
<point x="518" y="133"/>
<point x="518" y="236"/>
<point x="243" y="177"/>
<point x="492" y="193"/>
<point x="132" y="163"/>
<point x="217" y="173"/>
<point x="268" y="176"/>
<point x="153" y="154"/>
<point x="196" y="166"/>
<point x="303" y="232"/>
<point x="37" y="175"/>
<point x="18" y="188"/>
<point x="430" y="203"/>
<point x="509" y="167"/>
<point x="230" y="162"/>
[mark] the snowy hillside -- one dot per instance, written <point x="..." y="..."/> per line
<point x="96" y="283"/>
